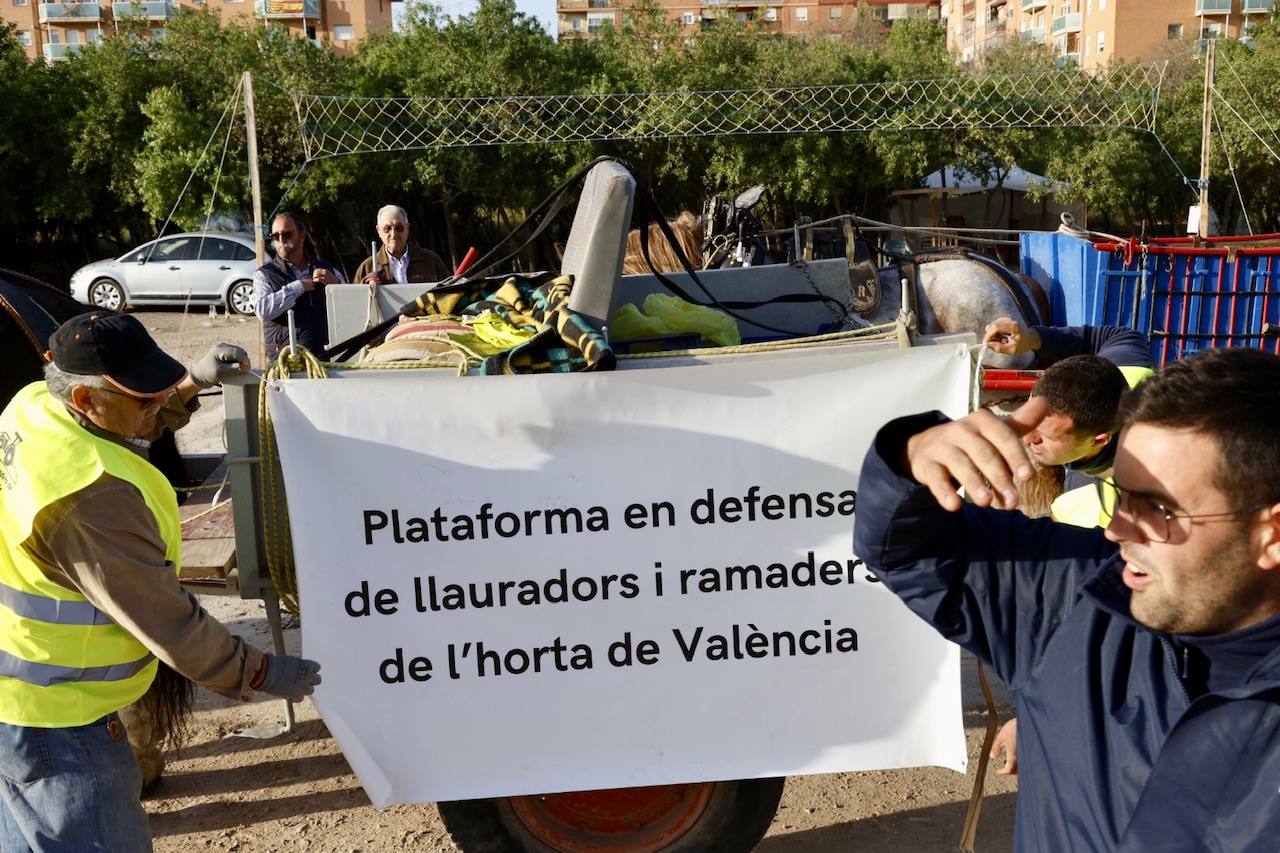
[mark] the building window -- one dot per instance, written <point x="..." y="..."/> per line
<point x="19" y="2"/>
<point x="344" y="32"/>
<point x="1175" y="32"/>
<point x="771" y="14"/>
<point x="835" y="13"/>
<point x="687" y="19"/>
<point x="801" y="13"/>
<point x="1102" y="41"/>
<point x="1102" y="5"/>
<point x="1211" y="31"/>
<point x="157" y="33"/>
<point x="24" y="38"/>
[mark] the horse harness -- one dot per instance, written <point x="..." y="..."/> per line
<point x="908" y="268"/>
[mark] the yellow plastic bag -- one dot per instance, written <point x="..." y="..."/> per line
<point x="670" y="315"/>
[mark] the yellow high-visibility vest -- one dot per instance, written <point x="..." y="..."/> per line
<point x="63" y="662"/>
<point x="1080" y="506"/>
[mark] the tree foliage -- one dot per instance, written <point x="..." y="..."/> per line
<point x="126" y="124"/>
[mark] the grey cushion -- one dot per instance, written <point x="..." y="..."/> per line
<point x="598" y="241"/>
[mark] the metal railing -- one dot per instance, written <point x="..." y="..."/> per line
<point x="1258" y="6"/>
<point x="149" y="9"/>
<point x="1213" y="7"/>
<point x="70" y="12"/>
<point x="1067" y="23"/>
<point x="287" y="8"/>
<point x="55" y="52"/>
<point x="1034" y="34"/>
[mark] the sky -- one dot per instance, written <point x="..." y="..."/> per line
<point x="543" y="10"/>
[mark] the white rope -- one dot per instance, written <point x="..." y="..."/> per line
<point x="1218" y="96"/>
<point x="235" y="97"/>
<point x="217" y="177"/>
<point x="1224" y="55"/>
<point x="1226" y="150"/>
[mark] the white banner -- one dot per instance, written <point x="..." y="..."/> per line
<point x="531" y="584"/>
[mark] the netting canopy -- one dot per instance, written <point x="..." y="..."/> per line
<point x="334" y="126"/>
<point x="1125" y="96"/>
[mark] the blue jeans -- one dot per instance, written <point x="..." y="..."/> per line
<point x="71" y="789"/>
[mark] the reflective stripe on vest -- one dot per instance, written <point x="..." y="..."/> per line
<point x="47" y="674"/>
<point x="63" y="662"/>
<point x="43" y="609"/>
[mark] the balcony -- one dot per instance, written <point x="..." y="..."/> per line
<point x="1066" y="24"/>
<point x="1032" y="5"/>
<point x="1257" y="6"/>
<point x="69" y="13"/>
<point x="571" y="5"/>
<point x="1213" y="7"/>
<point x="151" y="10"/>
<point x="1034" y="34"/>
<point x="56" y="52"/>
<point x="1068" y="60"/>
<point x="280" y="9"/>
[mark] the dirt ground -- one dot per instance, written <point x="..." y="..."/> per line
<point x="296" y="791"/>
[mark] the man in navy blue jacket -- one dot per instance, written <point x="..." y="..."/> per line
<point x="1147" y="676"/>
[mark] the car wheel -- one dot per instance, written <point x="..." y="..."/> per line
<point x="240" y="297"/>
<point x="708" y="817"/>
<point x="105" y="293"/>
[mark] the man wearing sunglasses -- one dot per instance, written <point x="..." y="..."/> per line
<point x="294" y="281"/>
<point x="1145" y="662"/>
<point x="399" y="261"/>
<point x="90" y="604"/>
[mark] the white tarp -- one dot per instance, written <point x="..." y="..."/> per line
<point x="424" y="503"/>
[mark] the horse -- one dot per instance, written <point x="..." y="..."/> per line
<point x="688" y="230"/>
<point x="957" y="292"/>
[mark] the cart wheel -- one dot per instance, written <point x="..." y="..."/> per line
<point x="707" y="817"/>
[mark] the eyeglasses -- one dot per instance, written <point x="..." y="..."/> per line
<point x="388" y="228"/>
<point x="144" y="401"/>
<point x="1152" y="519"/>
<point x="281" y="235"/>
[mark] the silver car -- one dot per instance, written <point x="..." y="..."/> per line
<point x="203" y="267"/>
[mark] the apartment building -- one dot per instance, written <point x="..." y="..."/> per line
<point x="56" y="30"/>
<point x="816" y="18"/>
<point x="1090" y="32"/>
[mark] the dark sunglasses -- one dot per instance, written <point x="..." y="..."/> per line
<point x="142" y="401"/>
<point x="281" y="235"/>
<point x="387" y="229"/>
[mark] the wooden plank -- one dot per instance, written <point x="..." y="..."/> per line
<point x="208" y="558"/>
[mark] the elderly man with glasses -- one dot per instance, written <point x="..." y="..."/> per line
<point x="293" y="280"/>
<point x="91" y="611"/>
<point x="399" y="261"/>
<point x="1145" y="661"/>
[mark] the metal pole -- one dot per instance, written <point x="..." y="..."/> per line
<point x="1206" y="139"/>
<point x="255" y="186"/>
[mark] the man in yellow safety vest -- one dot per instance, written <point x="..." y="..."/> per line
<point x="90" y="547"/>
<point x="1087" y="370"/>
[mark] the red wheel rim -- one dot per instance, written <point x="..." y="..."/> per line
<point x="623" y="820"/>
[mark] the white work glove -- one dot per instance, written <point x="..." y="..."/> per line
<point x="222" y="362"/>
<point x="288" y="677"/>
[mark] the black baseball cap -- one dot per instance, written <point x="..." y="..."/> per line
<point x="117" y="346"/>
